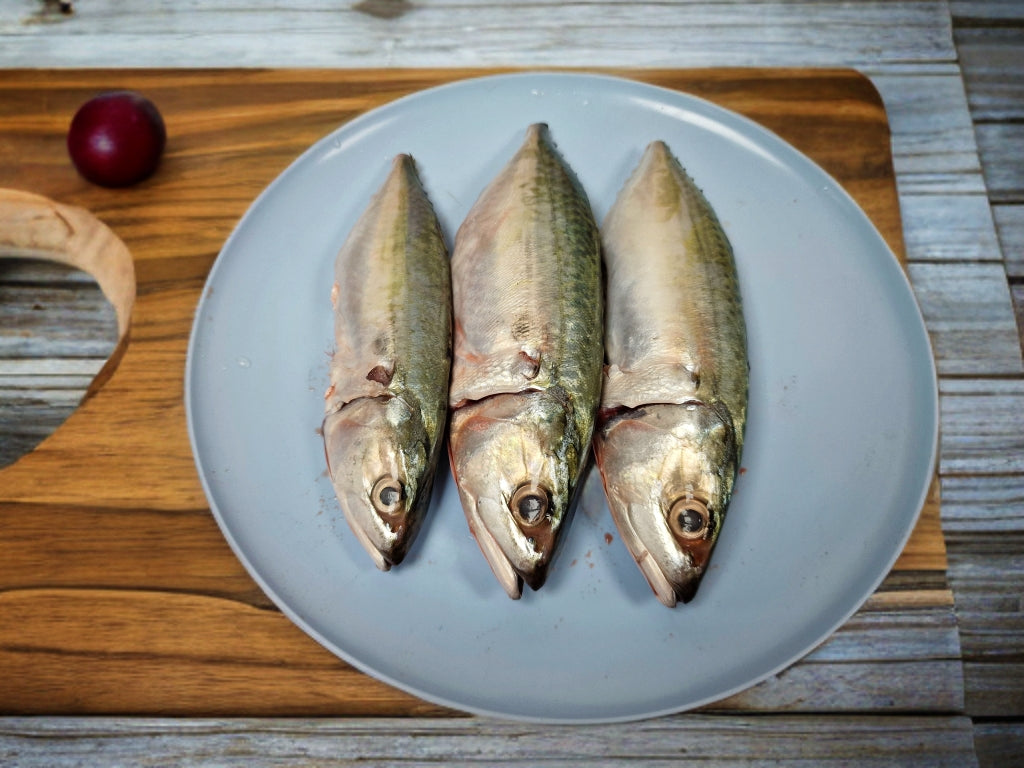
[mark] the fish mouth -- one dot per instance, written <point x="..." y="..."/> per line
<point x="509" y="578"/>
<point x="659" y="583"/>
<point x="667" y="473"/>
<point x="671" y="588"/>
<point x="687" y="590"/>
<point x="510" y="483"/>
<point x="383" y="538"/>
<point x="380" y="499"/>
<point x="512" y="560"/>
<point x="382" y="559"/>
<point x="672" y="582"/>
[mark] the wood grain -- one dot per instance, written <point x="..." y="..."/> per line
<point x="999" y="145"/>
<point x="103" y="650"/>
<point x="985" y="433"/>
<point x="984" y="525"/>
<point x="990" y="42"/>
<point x="969" y="315"/>
<point x="950" y="228"/>
<point x="983" y="519"/>
<point x="1010" y="225"/>
<point x="984" y="514"/>
<point x="81" y="647"/>
<point x="934" y="150"/>
<point x="112" y="572"/>
<point x="784" y="741"/>
<point x="999" y="743"/>
<point x="993" y="67"/>
<point x="322" y="33"/>
<point x="56" y="331"/>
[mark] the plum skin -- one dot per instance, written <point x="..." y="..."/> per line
<point x="117" y="138"/>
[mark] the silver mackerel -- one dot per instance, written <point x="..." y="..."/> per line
<point x="386" y="405"/>
<point x="674" y="403"/>
<point x="526" y="373"/>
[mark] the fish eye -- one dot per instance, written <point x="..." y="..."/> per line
<point x="689" y="518"/>
<point x="387" y="495"/>
<point x="529" y="504"/>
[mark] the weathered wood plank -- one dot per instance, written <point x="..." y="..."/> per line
<point x="707" y="741"/>
<point x="908" y="625"/>
<point x="998" y="744"/>
<point x="993" y="68"/>
<point x="27" y="416"/>
<point x="994" y="686"/>
<point x="948" y="227"/>
<point x="1017" y="290"/>
<point x="934" y="150"/>
<point x="56" y="320"/>
<point x="982" y="505"/>
<point x="969" y="315"/>
<point x="992" y="583"/>
<point x="14" y="369"/>
<point x="982" y="426"/>
<point x="986" y="570"/>
<point x="990" y="43"/>
<point x="999" y="145"/>
<point x="985" y="12"/>
<point x="854" y="687"/>
<point x="20" y="270"/>
<point x="1010" y="226"/>
<point x="983" y="518"/>
<point x="477" y="32"/>
<point x="46" y="310"/>
<point x="989" y="586"/>
<point x="912" y="626"/>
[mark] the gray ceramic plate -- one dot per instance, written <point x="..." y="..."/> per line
<point x="843" y="408"/>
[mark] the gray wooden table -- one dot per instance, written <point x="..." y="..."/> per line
<point x="952" y="79"/>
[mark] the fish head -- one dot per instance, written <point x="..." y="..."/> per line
<point x="668" y="472"/>
<point x="379" y="464"/>
<point x="514" y="467"/>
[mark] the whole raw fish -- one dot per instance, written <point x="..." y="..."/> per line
<point x="526" y="373"/>
<point x="674" y="404"/>
<point x="387" y="401"/>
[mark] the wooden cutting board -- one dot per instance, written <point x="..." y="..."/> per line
<point x="118" y="593"/>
